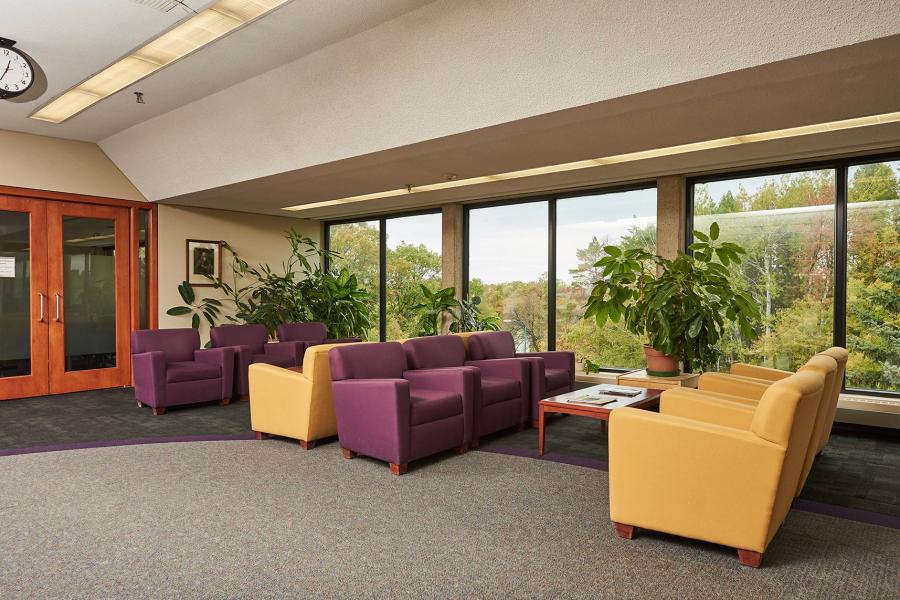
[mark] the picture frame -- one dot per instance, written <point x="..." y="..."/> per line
<point x="203" y="259"/>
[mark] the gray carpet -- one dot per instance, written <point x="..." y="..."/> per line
<point x="268" y="520"/>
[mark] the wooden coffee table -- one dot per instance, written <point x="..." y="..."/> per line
<point x="567" y="404"/>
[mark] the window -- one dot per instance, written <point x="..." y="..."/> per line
<point x="413" y="259"/>
<point x="785" y="222"/>
<point x="391" y="256"/>
<point x="357" y="245"/>
<point x="584" y="225"/>
<point x="507" y="268"/>
<point x="873" y="276"/>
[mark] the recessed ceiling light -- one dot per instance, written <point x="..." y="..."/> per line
<point x="184" y="39"/>
<point x="618" y="158"/>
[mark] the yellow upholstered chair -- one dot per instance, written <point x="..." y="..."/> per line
<point x="727" y="485"/>
<point x="465" y="338"/>
<point x="749" y="381"/>
<point x="296" y="405"/>
<point x="701" y="404"/>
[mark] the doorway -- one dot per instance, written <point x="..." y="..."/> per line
<point x="66" y="295"/>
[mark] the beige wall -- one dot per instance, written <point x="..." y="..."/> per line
<point x="43" y="163"/>
<point x="258" y="239"/>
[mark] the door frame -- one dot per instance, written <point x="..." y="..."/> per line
<point x="152" y="241"/>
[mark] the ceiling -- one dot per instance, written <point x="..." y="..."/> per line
<point x="70" y="41"/>
<point x="842" y="83"/>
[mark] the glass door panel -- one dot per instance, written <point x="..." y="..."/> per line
<point x="89" y="284"/>
<point x="23" y="306"/>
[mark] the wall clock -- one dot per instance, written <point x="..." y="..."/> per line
<point x="16" y="71"/>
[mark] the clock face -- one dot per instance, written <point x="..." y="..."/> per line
<point x="16" y="74"/>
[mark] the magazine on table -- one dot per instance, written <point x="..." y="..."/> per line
<point x="619" y="390"/>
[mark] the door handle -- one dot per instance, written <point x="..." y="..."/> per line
<point x="57" y="306"/>
<point x="41" y="295"/>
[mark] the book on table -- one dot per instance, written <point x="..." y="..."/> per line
<point x="619" y="390"/>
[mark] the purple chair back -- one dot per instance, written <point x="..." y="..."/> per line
<point x="435" y="352"/>
<point x="312" y="331"/>
<point x="492" y="344"/>
<point x="254" y="336"/>
<point x="386" y="360"/>
<point x="176" y="344"/>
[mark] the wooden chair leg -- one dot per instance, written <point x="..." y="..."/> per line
<point x="520" y="427"/>
<point x="475" y="443"/>
<point x="462" y="449"/>
<point x="399" y="469"/>
<point x="159" y="411"/>
<point x="244" y="397"/>
<point x="307" y="445"/>
<point x="749" y="558"/>
<point x="534" y="424"/>
<point x="348" y="454"/>
<point x="260" y="435"/>
<point x="140" y="404"/>
<point x="225" y="401"/>
<point x="626" y="532"/>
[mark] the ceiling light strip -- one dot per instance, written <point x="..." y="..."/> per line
<point x="751" y="138"/>
<point x="205" y="27"/>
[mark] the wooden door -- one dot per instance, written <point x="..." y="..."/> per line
<point x="24" y="307"/>
<point x="89" y="296"/>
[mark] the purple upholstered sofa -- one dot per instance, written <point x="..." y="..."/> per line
<point x="308" y="334"/>
<point x="552" y="373"/>
<point x="171" y="369"/>
<point x="390" y="413"/>
<point x="250" y="343"/>
<point x="504" y="397"/>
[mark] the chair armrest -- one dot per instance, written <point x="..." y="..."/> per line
<point x="766" y="373"/>
<point x="224" y="357"/>
<point x="293" y="350"/>
<point x="348" y="340"/>
<point x="508" y="368"/>
<point x="465" y="381"/>
<point x="149" y="373"/>
<point x="280" y="401"/>
<point x="719" y="409"/>
<point x="373" y="417"/>
<point x="693" y="479"/>
<point x="735" y="385"/>
<point x="559" y="359"/>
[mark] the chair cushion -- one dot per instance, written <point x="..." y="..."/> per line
<point x="191" y="371"/>
<point x="557" y="378"/>
<point x="273" y="359"/>
<point x="494" y="389"/>
<point x="432" y="405"/>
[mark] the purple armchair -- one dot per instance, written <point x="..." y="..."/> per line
<point x="250" y="343"/>
<point x="308" y="334"/>
<point x="390" y="413"/>
<point x="503" y="398"/>
<point x="171" y="369"/>
<point x="552" y="373"/>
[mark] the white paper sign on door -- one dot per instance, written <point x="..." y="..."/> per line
<point x="7" y="266"/>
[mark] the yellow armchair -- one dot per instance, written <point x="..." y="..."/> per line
<point x="726" y="485"/>
<point x="291" y="404"/>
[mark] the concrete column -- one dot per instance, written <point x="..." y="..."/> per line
<point x="671" y="217"/>
<point x="452" y="248"/>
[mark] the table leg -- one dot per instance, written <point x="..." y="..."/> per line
<point x="541" y="430"/>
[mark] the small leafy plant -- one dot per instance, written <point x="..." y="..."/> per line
<point x="469" y="317"/>
<point x="680" y="306"/>
<point x="436" y="306"/>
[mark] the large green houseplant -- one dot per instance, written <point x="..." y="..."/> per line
<point x="681" y="307"/>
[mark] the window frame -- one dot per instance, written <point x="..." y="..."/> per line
<point x="382" y="220"/>
<point x="551" y="198"/>
<point x="841" y="167"/>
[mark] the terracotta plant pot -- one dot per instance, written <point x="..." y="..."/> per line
<point x="659" y="364"/>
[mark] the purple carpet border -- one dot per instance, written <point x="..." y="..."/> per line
<point x="132" y="442"/>
<point x="831" y="510"/>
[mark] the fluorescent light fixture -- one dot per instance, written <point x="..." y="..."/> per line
<point x="893" y="117"/>
<point x="187" y="37"/>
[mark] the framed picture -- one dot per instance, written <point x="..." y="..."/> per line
<point x="204" y="260"/>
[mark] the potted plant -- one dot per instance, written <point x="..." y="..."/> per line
<point x="681" y="307"/>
